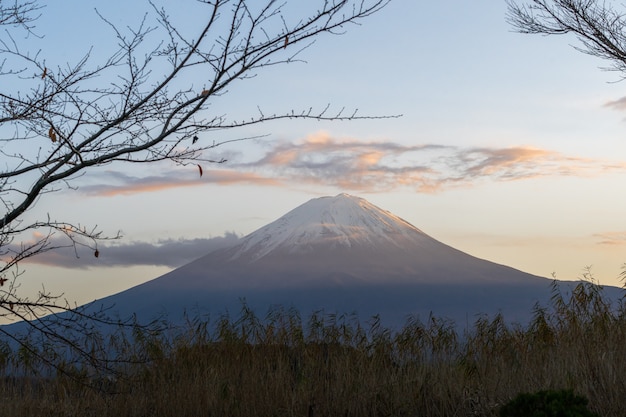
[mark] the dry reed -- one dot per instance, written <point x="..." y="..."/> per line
<point x="332" y="365"/>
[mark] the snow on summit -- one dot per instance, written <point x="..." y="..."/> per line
<point x="343" y="220"/>
<point x="339" y="254"/>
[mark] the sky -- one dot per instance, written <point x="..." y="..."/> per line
<point x="509" y="147"/>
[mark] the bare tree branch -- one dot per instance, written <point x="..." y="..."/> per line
<point x="19" y="14"/>
<point x="600" y="28"/>
<point x="58" y="120"/>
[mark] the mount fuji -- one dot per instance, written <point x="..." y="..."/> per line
<point x="339" y="254"/>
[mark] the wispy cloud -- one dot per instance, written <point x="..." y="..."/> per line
<point x="523" y="162"/>
<point x="619" y="104"/>
<point x="611" y="238"/>
<point x="348" y="164"/>
<point x="167" y="252"/>
<point x="118" y="183"/>
<point x="382" y="165"/>
<point x="374" y="166"/>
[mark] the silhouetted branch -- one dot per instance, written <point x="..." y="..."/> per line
<point x="599" y="27"/>
<point x="139" y="104"/>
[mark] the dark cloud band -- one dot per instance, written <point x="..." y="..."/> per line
<point x="168" y="252"/>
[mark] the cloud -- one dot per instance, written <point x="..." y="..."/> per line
<point x="374" y="166"/>
<point x="349" y="164"/>
<point x="118" y="183"/>
<point x="611" y="238"/>
<point x="507" y="163"/>
<point x="383" y="165"/>
<point x="619" y="104"/>
<point x="167" y="252"/>
<point x="516" y="163"/>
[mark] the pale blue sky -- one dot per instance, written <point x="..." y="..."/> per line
<point x="507" y="146"/>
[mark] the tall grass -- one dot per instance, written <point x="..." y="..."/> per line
<point x="334" y="365"/>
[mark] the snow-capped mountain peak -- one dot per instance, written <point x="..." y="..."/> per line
<point x="339" y="254"/>
<point x="343" y="220"/>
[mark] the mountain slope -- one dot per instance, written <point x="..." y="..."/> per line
<point x="340" y="254"/>
<point x="339" y="236"/>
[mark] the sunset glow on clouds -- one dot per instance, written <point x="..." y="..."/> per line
<point x="375" y="166"/>
<point x="123" y="184"/>
<point x="381" y="165"/>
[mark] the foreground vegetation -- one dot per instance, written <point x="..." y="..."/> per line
<point x="330" y="365"/>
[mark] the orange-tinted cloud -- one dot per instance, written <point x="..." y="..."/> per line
<point x="382" y="165"/>
<point x="505" y="162"/>
<point x="122" y="184"/>
<point x="515" y="163"/>
<point x="374" y="166"/>
<point x="347" y="164"/>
